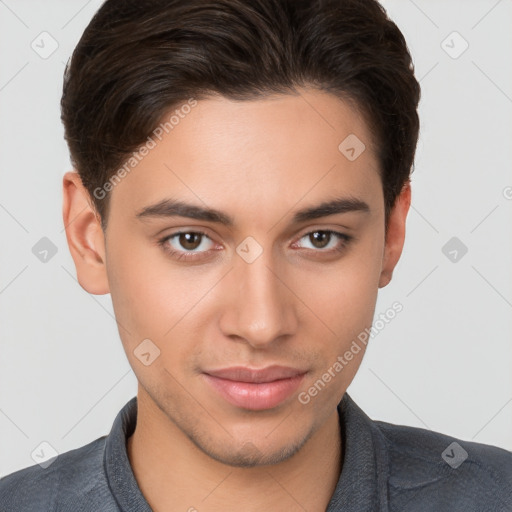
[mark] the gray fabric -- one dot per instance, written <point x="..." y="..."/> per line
<point x="386" y="468"/>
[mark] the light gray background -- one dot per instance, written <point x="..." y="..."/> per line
<point x="443" y="363"/>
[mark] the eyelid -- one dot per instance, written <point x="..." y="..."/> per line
<point x="196" y="231"/>
<point x="343" y="237"/>
<point x="342" y="231"/>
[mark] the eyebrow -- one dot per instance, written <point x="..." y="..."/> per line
<point x="175" y="208"/>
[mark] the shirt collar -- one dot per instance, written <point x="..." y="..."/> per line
<point x="360" y="488"/>
<point x="119" y="472"/>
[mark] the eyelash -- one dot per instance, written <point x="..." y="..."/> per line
<point x="187" y="255"/>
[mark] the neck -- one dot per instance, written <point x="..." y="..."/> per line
<point x="174" y="475"/>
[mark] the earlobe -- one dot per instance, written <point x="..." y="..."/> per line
<point x="396" y="235"/>
<point x="85" y="237"/>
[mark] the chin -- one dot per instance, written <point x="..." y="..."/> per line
<point x="249" y="454"/>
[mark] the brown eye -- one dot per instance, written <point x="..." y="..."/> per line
<point x="190" y="241"/>
<point x="325" y="241"/>
<point x="187" y="244"/>
<point x="320" y="238"/>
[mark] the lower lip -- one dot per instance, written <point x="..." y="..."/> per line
<point x="255" y="396"/>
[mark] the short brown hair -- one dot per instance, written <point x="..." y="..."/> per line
<point x="138" y="59"/>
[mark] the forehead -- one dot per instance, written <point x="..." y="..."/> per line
<point x="277" y="148"/>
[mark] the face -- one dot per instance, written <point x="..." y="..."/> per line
<point x="255" y="273"/>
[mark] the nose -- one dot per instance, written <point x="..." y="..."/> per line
<point x="261" y="308"/>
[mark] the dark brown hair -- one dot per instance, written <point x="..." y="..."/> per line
<point x="139" y="59"/>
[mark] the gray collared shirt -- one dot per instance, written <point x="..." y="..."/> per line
<point x="386" y="468"/>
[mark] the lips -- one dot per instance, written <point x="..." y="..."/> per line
<point x="268" y="374"/>
<point x="255" y="389"/>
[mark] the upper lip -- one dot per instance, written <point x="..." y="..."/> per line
<point x="257" y="375"/>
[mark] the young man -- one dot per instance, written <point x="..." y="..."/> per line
<point x="241" y="191"/>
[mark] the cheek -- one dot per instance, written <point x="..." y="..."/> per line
<point x="344" y="294"/>
<point x="139" y="290"/>
<point x="154" y="299"/>
<point x="342" y="300"/>
<point x="342" y="306"/>
<point x="148" y="306"/>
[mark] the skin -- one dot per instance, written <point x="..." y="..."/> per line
<point x="295" y="305"/>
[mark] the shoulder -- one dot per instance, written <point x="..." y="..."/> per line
<point x="73" y="481"/>
<point x="444" y="472"/>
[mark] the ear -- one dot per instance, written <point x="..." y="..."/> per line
<point x="396" y="234"/>
<point x="85" y="237"/>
